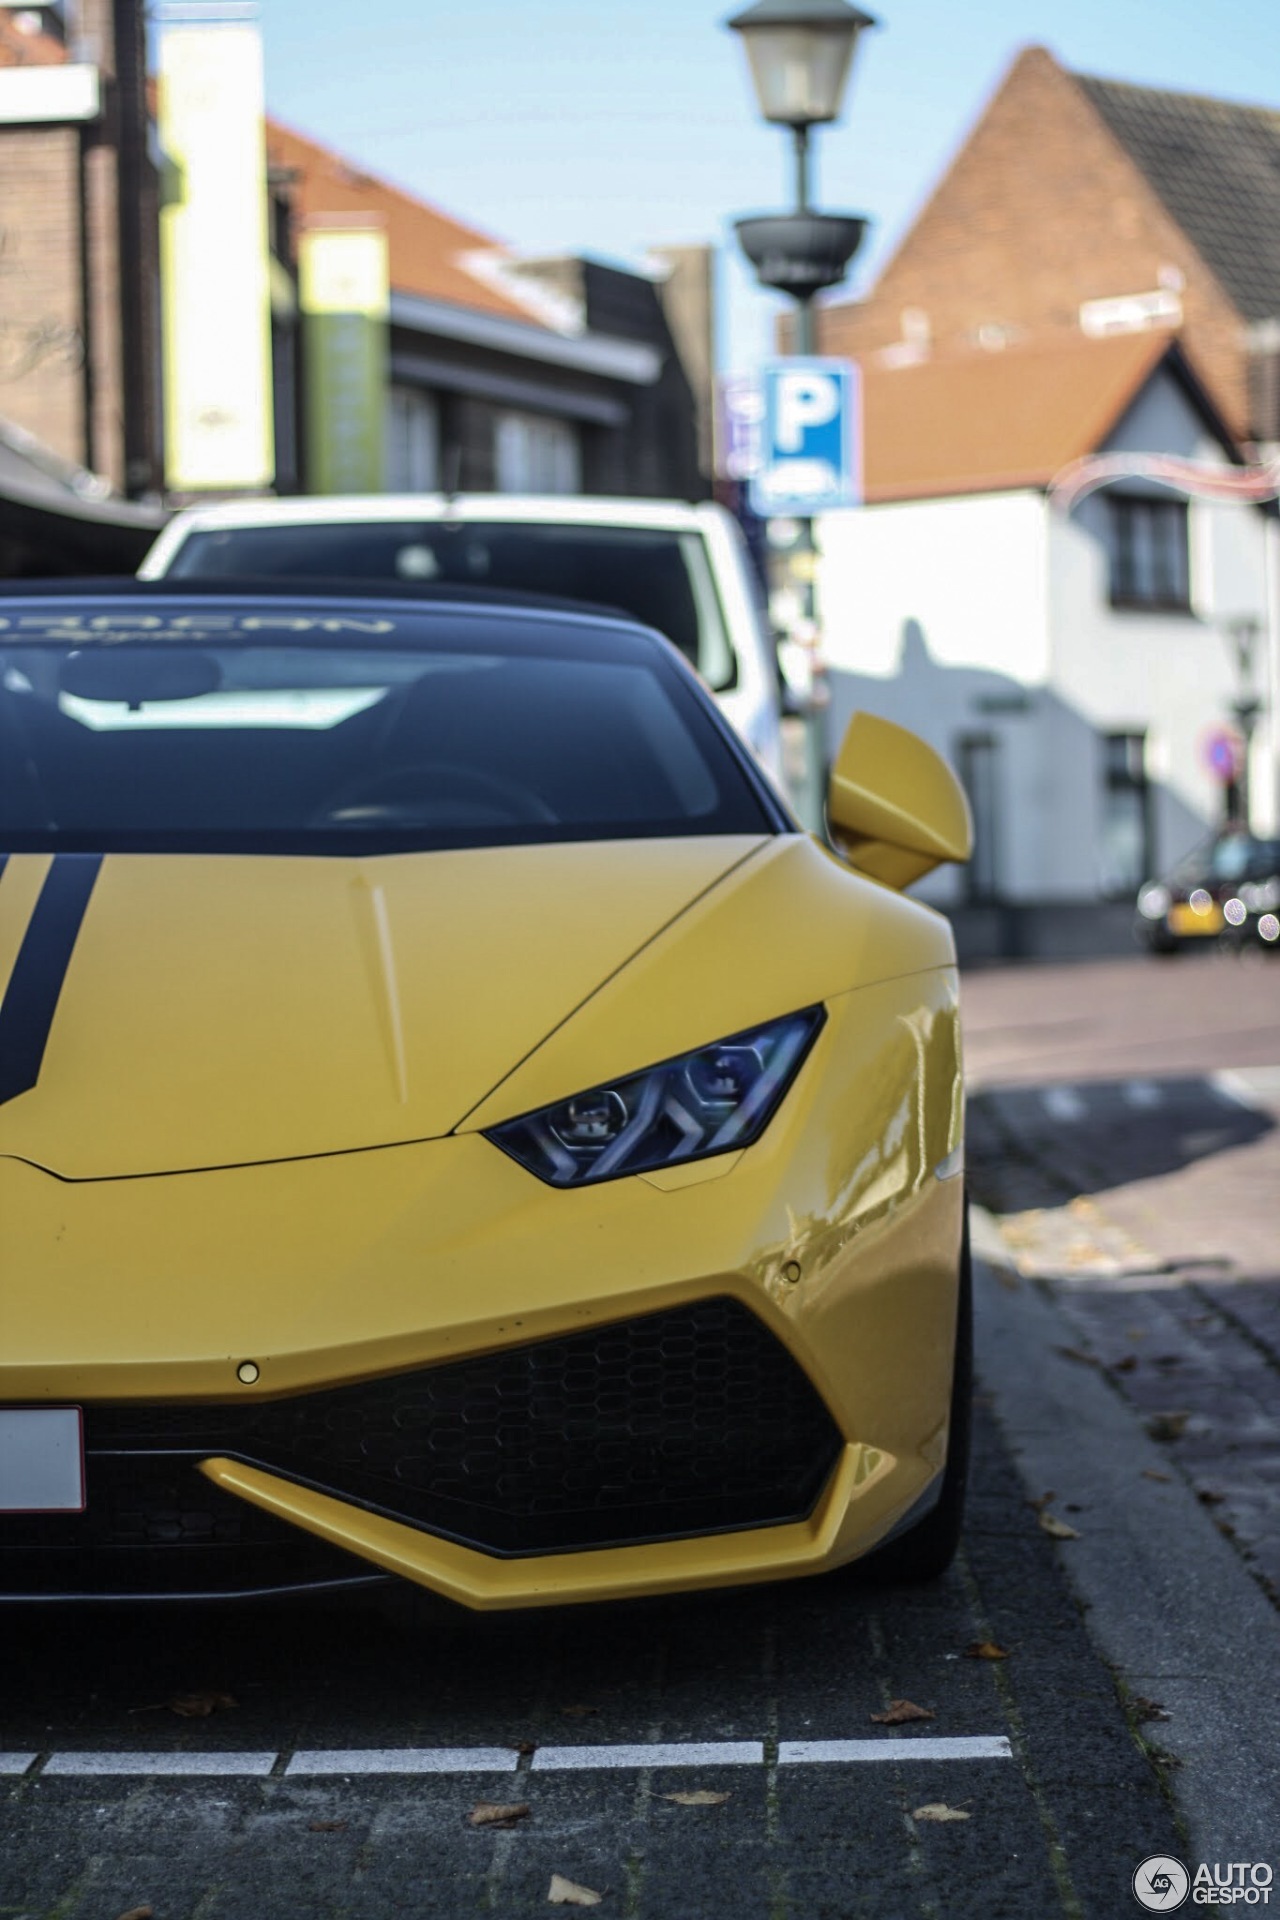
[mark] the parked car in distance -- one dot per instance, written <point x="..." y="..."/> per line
<point x="453" y="1123"/>
<point x="678" y="567"/>
<point x="1226" y="889"/>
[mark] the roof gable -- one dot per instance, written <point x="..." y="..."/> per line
<point x="992" y="422"/>
<point x="1216" y="167"/>
<point x="433" y="256"/>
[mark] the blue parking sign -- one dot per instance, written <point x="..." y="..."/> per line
<point x="811" y="441"/>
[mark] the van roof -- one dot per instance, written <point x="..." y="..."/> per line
<point x="676" y="515"/>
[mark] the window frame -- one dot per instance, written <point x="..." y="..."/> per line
<point x="1126" y="512"/>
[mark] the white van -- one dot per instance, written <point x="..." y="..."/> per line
<point x="680" y="568"/>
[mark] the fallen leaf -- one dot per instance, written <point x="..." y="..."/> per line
<point x="578" y="1713"/>
<point x="703" y="1797"/>
<point x="898" y="1712"/>
<point x="139" y="1913"/>
<point x="1058" y="1529"/>
<point x="1076" y="1354"/>
<point x="526" y="1746"/>
<point x="1125" y="1364"/>
<point x="494" y="1813"/>
<point x="1149" y="1709"/>
<point x="938" y="1810"/>
<point x="1208" y="1498"/>
<point x="1043" y="1501"/>
<point x="198" y="1706"/>
<point x="1167" y="1426"/>
<point x="567" y="1893"/>
<point x="986" y="1650"/>
<point x="326" y="1826"/>
<point x="1153" y="1473"/>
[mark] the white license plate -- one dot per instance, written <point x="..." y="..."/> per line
<point x="41" y="1460"/>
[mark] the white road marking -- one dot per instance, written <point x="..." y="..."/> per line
<point x="804" y="1753"/>
<point x="223" y="1765"/>
<point x="405" y="1760"/>
<point x="329" y="1761"/>
<point x="1141" y="1093"/>
<point x="1063" y="1103"/>
<point x="694" y="1753"/>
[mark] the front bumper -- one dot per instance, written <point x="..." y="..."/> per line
<point x="510" y="1394"/>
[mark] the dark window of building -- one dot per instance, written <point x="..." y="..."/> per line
<point x="1125" y="859"/>
<point x="1149" y="561"/>
<point x="977" y="760"/>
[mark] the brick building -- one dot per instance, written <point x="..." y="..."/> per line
<point x="62" y="351"/>
<point x="504" y="373"/>
<point x="1083" y="205"/>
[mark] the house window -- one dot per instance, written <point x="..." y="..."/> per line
<point x="536" y="454"/>
<point x="1149" y="566"/>
<point x="413" y="441"/>
<point x="1125" y="850"/>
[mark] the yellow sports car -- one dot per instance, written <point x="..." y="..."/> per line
<point x="453" y="1124"/>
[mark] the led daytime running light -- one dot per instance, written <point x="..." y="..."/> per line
<point x="715" y="1100"/>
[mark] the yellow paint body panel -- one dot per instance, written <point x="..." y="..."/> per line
<point x="420" y="1244"/>
<point x="220" y="1009"/>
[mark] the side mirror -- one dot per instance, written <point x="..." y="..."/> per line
<point x="895" y="808"/>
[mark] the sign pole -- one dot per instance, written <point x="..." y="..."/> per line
<point x="813" y="800"/>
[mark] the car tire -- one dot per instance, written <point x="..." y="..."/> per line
<point x="927" y="1549"/>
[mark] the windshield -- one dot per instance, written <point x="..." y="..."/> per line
<point x="661" y="578"/>
<point x="266" y="730"/>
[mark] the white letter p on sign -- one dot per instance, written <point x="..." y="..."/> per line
<point x="804" y="400"/>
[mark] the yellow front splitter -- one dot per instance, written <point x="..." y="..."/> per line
<point x="866" y="1494"/>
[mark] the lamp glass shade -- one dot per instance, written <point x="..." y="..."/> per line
<point x="800" y="71"/>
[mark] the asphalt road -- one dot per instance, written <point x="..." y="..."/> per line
<point x="334" y="1775"/>
<point x="1056" y="1827"/>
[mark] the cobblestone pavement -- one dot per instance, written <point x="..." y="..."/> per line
<point x="1124" y="1127"/>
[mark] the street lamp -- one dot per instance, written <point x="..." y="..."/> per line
<point x="801" y="53"/>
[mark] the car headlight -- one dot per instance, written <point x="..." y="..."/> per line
<point x="1153" y="901"/>
<point x="713" y="1101"/>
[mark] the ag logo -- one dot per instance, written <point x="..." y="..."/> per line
<point x="1161" y="1883"/>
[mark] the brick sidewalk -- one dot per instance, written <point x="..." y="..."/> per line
<point x="1124" y="1127"/>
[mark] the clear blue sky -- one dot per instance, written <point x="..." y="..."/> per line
<point x="610" y="127"/>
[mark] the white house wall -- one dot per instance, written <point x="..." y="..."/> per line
<point x="1168" y="674"/>
<point x="990" y="614"/>
<point x="934" y="615"/>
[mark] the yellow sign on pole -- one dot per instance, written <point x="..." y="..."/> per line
<point x="344" y="293"/>
<point x="214" y="260"/>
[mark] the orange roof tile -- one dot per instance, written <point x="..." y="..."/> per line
<point x="981" y="422"/>
<point x="427" y="247"/>
<point x="19" y="48"/>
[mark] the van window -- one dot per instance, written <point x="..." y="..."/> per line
<point x="661" y="578"/>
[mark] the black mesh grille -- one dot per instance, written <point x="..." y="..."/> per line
<point x="690" y="1421"/>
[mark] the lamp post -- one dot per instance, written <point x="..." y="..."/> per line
<point x="801" y="53"/>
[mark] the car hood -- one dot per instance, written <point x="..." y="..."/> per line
<point x="163" y="1013"/>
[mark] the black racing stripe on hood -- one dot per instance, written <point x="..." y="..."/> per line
<point x="31" y="997"/>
